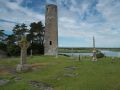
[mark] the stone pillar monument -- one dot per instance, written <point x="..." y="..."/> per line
<point x="51" y="30"/>
<point x="23" y="66"/>
<point x="94" y="51"/>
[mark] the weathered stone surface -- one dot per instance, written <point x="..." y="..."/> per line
<point x="23" y="67"/>
<point x="24" y="46"/>
<point x="70" y="74"/>
<point x="94" y="55"/>
<point x="69" y="71"/>
<point x="4" y="82"/>
<point x="17" y="78"/>
<point x="40" y="85"/>
<point x="70" y="68"/>
<point x="51" y="30"/>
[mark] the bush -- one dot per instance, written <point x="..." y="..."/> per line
<point x="36" y="49"/>
<point x="99" y="55"/>
<point x="2" y="46"/>
<point x="13" y="50"/>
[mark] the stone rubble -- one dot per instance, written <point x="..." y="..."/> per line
<point x="40" y="85"/>
<point x="4" y="82"/>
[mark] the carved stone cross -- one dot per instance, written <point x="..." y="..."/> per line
<point x="24" y="46"/>
<point x="23" y="66"/>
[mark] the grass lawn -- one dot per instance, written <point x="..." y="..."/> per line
<point x="101" y="75"/>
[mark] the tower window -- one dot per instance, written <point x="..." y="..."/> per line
<point x="50" y="42"/>
<point x="47" y="9"/>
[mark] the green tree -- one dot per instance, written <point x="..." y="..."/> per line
<point x="2" y="35"/>
<point x="13" y="50"/>
<point x="12" y="47"/>
<point x="99" y="54"/>
<point x="19" y="31"/>
<point x="2" y="40"/>
<point x="40" y="33"/>
<point x="36" y="36"/>
<point x="3" y="46"/>
<point x="12" y="41"/>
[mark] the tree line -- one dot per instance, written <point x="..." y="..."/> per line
<point x="34" y="35"/>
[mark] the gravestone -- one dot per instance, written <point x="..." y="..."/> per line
<point x="40" y="85"/>
<point x="4" y="82"/>
<point x="23" y="66"/>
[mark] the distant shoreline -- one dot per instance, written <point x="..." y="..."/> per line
<point x="83" y="50"/>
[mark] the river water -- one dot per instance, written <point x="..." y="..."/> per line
<point x="111" y="53"/>
<point x="106" y="52"/>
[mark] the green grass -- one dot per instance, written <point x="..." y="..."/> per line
<point x="101" y="75"/>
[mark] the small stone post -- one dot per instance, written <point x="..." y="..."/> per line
<point x="79" y="57"/>
<point x="56" y="52"/>
<point x="23" y="66"/>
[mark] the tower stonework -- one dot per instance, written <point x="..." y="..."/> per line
<point x="51" y="30"/>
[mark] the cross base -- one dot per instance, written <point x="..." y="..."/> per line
<point x="23" y="67"/>
<point x="94" y="59"/>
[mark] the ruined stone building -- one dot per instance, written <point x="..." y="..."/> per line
<point x="51" y="30"/>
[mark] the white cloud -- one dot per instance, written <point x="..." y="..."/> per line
<point x="71" y="25"/>
<point x="110" y="10"/>
<point x="12" y="11"/>
<point x="6" y="26"/>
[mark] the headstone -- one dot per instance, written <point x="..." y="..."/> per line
<point x="3" y="82"/>
<point x="40" y="85"/>
<point x="70" y="74"/>
<point x="23" y="66"/>
<point x="70" y="68"/>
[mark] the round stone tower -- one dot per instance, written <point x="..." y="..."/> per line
<point x="51" y="30"/>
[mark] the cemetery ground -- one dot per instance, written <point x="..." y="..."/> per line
<point x="62" y="73"/>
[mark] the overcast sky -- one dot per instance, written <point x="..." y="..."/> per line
<point x="79" y="20"/>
